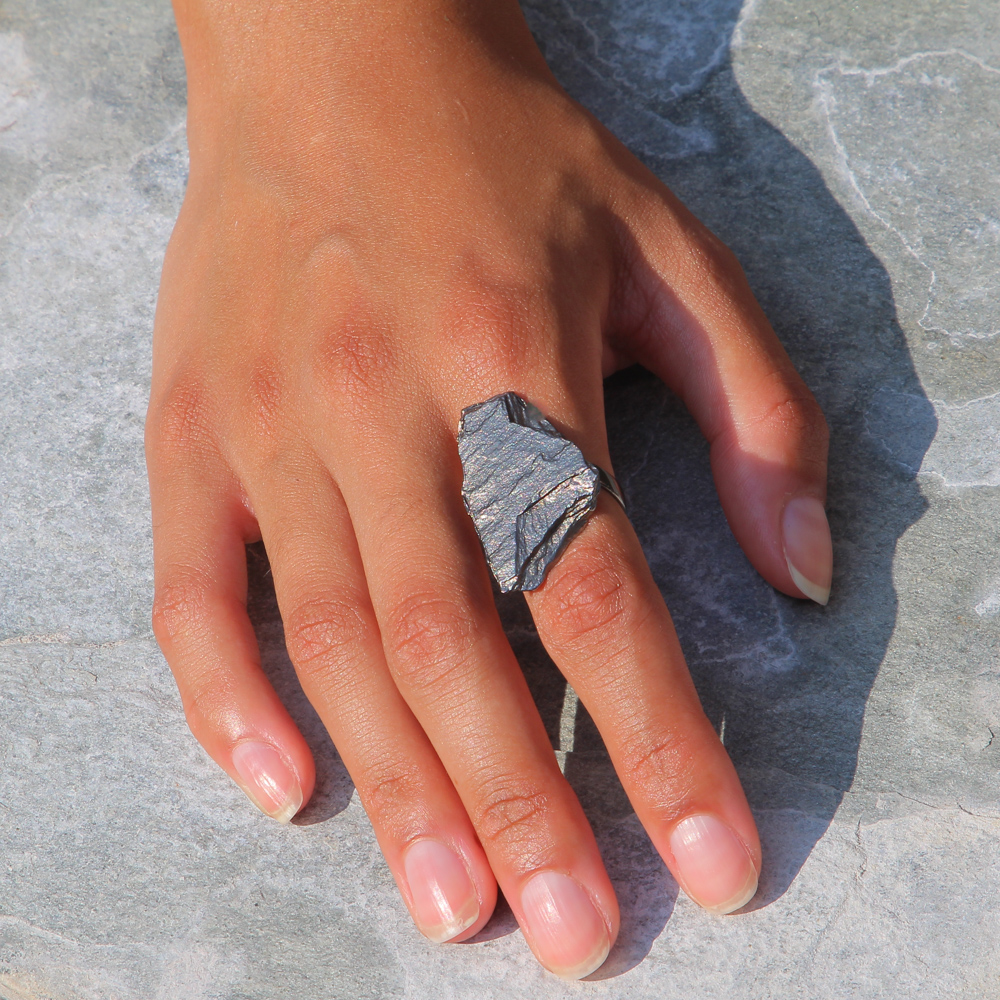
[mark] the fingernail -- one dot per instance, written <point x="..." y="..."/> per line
<point x="567" y="934"/>
<point x="713" y="866"/>
<point x="805" y="534"/>
<point x="268" y="781"/>
<point x="444" y="899"/>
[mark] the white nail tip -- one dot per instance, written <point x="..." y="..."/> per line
<point x="285" y="814"/>
<point x="739" y="901"/>
<point x="292" y="805"/>
<point x="588" y="968"/>
<point x="821" y="595"/>
<point x="445" y="932"/>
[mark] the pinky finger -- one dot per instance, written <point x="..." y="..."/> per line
<point x="200" y="528"/>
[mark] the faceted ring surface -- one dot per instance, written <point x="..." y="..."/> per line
<point x="527" y="488"/>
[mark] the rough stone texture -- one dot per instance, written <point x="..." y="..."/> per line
<point x="849" y="154"/>
<point x="526" y="488"/>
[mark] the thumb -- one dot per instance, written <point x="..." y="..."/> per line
<point x="686" y="312"/>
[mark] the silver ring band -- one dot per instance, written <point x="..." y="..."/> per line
<point x="609" y="483"/>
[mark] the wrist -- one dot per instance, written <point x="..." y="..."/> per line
<point x="260" y="67"/>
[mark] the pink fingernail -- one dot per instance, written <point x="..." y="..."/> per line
<point x="268" y="781"/>
<point x="713" y="866"/>
<point x="805" y="534"/>
<point x="445" y="902"/>
<point x="566" y="932"/>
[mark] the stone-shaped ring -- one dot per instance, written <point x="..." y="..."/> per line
<point x="527" y="488"/>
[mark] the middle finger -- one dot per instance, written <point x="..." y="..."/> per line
<point x="447" y="651"/>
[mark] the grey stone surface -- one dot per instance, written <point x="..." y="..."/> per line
<point x="849" y="154"/>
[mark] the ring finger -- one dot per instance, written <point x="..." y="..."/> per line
<point x="451" y="662"/>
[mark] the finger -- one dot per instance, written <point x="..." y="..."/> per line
<point x="603" y="621"/>
<point x="448" y="655"/>
<point x="687" y="313"/>
<point x="200" y="527"/>
<point x="333" y="640"/>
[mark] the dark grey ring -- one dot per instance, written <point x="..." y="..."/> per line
<point x="527" y="488"/>
<point x="609" y="483"/>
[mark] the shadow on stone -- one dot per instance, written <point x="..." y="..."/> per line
<point x="333" y="784"/>
<point x="785" y="682"/>
<point x="502" y="923"/>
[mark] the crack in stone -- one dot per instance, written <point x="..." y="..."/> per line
<point x="51" y="183"/>
<point x="827" y="101"/>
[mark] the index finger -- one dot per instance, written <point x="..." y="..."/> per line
<point x="688" y="314"/>
<point x="604" y="623"/>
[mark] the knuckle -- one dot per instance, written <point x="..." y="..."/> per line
<point x="784" y="416"/>
<point x="389" y="793"/>
<point x="509" y="811"/>
<point x="660" y="765"/>
<point x="482" y="306"/>
<point x="324" y="632"/>
<point x="178" y="423"/>
<point x="792" y="410"/>
<point x="355" y="361"/>
<point x="429" y="636"/>
<point x="715" y="260"/>
<point x="587" y="597"/>
<point x="179" y="606"/>
<point x="492" y="328"/>
<point x="205" y="702"/>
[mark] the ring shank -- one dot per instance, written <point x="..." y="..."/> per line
<point x="609" y="483"/>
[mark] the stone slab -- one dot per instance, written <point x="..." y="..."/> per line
<point x="849" y="154"/>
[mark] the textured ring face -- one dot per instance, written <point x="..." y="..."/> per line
<point x="527" y="488"/>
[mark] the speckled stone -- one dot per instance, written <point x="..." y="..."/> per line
<point x="849" y="154"/>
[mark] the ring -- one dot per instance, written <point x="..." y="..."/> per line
<point x="527" y="488"/>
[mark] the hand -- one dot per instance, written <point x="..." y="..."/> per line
<point x="393" y="212"/>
